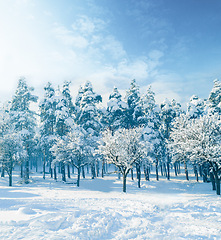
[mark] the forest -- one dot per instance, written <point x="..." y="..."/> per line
<point x="132" y="133"/>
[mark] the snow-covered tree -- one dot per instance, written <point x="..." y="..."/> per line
<point x="195" y="107"/>
<point x="123" y="148"/>
<point x="134" y="110"/>
<point x="179" y="141"/>
<point x="169" y="110"/>
<point x="11" y="147"/>
<point x="115" y="116"/>
<point x="47" y="109"/>
<point x="88" y="117"/>
<point x="215" y="97"/>
<point x="199" y="141"/>
<point x="64" y="122"/>
<point x="23" y="119"/>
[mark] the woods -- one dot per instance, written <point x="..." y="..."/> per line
<point x="132" y="132"/>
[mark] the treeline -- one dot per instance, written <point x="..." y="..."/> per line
<point x="132" y="132"/>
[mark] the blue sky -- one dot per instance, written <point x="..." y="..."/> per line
<point x="172" y="45"/>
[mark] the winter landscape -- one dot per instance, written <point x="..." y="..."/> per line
<point x="175" y="209"/>
<point x="110" y="120"/>
<point x="135" y="170"/>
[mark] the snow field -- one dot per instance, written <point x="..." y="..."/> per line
<point x="98" y="210"/>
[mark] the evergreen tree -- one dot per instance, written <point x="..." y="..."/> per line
<point x="116" y="111"/>
<point x="23" y="119"/>
<point x="152" y="133"/>
<point x="134" y="110"/>
<point x="64" y="122"/>
<point x="47" y="128"/>
<point x="195" y="107"/>
<point x="11" y="148"/>
<point x="88" y="117"/>
<point x="169" y="110"/>
<point x="215" y="97"/>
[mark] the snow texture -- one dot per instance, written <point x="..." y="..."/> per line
<point x="175" y="209"/>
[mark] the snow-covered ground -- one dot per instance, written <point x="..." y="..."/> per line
<point x="45" y="209"/>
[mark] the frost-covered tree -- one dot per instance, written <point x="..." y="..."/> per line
<point x="199" y="140"/>
<point x="134" y="110"/>
<point x="179" y="141"/>
<point x="152" y="133"/>
<point x="64" y="123"/>
<point x="67" y="97"/>
<point x="169" y="110"/>
<point x="195" y="107"/>
<point x="23" y="119"/>
<point x="123" y="148"/>
<point x="115" y="116"/>
<point x="11" y="147"/>
<point x="47" y="109"/>
<point x="215" y="97"/>
<point x="72" y="149"/>
<point x="88" y="117"/>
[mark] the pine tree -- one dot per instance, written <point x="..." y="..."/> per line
<point x="215" y="97"/>
<point x="169" y="110"/>
<point x="88" y="117"/>
<point x="195" y="107"/>
<point x="64" y="123"/>
<point x="23" y="119"/>
<point x="152" y="133"/>
<point x="116" y="111"/>
<point x="11" y="147"/>
<point x="134" y="110"/>
<point x="47" y="126"/>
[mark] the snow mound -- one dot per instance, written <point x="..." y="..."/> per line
<point x="26" y="210"/>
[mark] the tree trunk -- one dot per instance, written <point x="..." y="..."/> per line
<point x="103" y="168"/>
<point x="132" y="174"/>
<point x="63" y="172"/>
<point x="79" y="175"/>
<point x="26" y="170"/>
<point x="21" y="173"/>
<point x="178" y="168"/>
<point x="97" y="169"/>
<point x="148" y="174"/>
<point x="157" y="174"/>
<point x="138" y="175"/>
<point x="217" y="181"/>
<point x="55" y="173"/>
<point x="200" y="170"/>
<point x="186" y="170"/>
<point x="212" y="179"/>
<point x="196" y="173"/>
<point x="124" y="182"/>
<point x="10" y="179"/>
<point x="175" y="168"/>
<point x="3" y="172"/>
<point x="168" y="170"/>
<point x="44" y="163"/>
<point x="69" y="173"/>
<point x="93" y="170"/>
<point x="10" y="174"/>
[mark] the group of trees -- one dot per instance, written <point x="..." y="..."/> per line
<point x="131" y="132"/>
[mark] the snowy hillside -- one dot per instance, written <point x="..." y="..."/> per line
<point x="175" y="209"/>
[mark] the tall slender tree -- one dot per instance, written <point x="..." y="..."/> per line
<point x="23" y="119"/>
